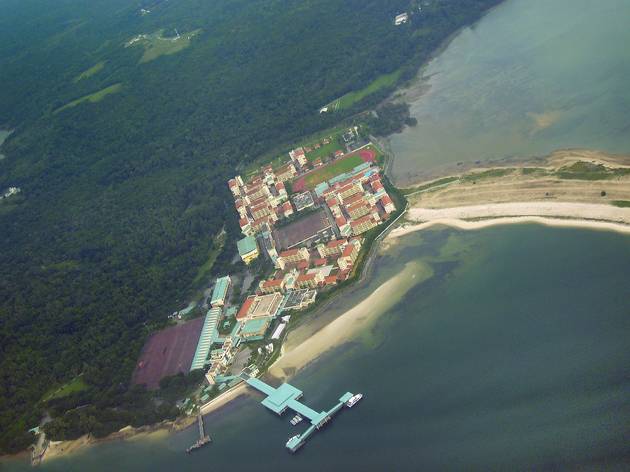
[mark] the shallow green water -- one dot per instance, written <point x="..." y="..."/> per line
<point x="514" y="355"/>
<point x="531" y="77"/>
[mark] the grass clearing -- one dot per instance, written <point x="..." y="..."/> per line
<point x="327" y="172"/>
<point x="422" y="188"/>
<point x="156" y="44"/>
<point x="589" y="171"/>
<point x="486" y="174"/>
<point x="86" y="74"/>
<point x="350" y="98"/>
<point x="621" y="203"/>
<point x="75" y="385"/>
<point x="92" y="98"/>
<point x="206" y="268"/>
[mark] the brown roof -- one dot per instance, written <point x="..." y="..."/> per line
<point x="340" y="220"/>
<point x="353" y="199"/>
<point x="305" y="277"/>
<point x="336" y="242"/>
<point x="290" y="252"/>
<point x="270" y="283"/>
<point x="347" y="251"/>
<point x="242" y="313"/>
<point x="361" y="220"/>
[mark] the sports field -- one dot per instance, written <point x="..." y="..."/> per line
<point x="349" y="162"/>
<point x="167" y="352"/>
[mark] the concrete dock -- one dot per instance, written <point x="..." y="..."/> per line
<point x="286" y="396"/>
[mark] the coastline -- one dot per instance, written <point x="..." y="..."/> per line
<point x="351" y="322"/>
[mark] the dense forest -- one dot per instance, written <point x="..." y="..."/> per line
<point x="123" y="194"/>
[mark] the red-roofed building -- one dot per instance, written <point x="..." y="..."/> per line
<point x="244" y="311"/>
<point x="287" y="209"/>
<point x="292" y="256"/>
<point x="359" y="209"/>
<point x="349" y="255"/>
<point x="388" y="204"/>
<point x="286" y="172"/>
<point x="331" y="248"/>
<point x="310" y="280"/>
<point x="353" y="199"/>
<point x="338" y="153"/>
<point x="330" y="280"/>
<point x="236" y="191"/>
<point x="320" y="262"/>
<point x="271" y="285"/>
<point x="302" y="265"/>
<point x="363" y="224"/>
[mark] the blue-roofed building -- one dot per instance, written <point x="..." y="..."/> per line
<point x="219" y="294"/>
<point x="247" y="249"/>
<point x="321" y="188"/>
<point x="207" y="338"/>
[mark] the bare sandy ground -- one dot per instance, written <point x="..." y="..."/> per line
<point x="353" y="321"/>
<point x="560" y="214"/>
<point x="224" y="399"/>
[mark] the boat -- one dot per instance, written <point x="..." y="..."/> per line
<point x="354" y="399"/>
<point x="294" y="442"/>
<point x="296" y="419"/>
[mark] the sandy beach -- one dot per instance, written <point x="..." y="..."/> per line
<point x="353" y="321"/>
<point x="224" y="399"/>
<point x="559" y="214"/>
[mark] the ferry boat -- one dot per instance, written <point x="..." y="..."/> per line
<point x="354" y="399"/>
<point x="293" y="442"/>
<point x="296" y="419"/>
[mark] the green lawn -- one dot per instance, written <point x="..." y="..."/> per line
<point x="326" y="149"/>
<point x="349" y="99"/>
<point x="621" y="203"/>
<point x="156" y="45"/>
<point x="329" y="171"/>
<point x="206" y="268"/>
<point x="75" y="385"/>
<point x="589" y="171"/>
<point x="90" y="72"/>
<point x="93" y="97"/>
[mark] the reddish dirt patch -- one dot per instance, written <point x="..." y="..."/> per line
<point x="368" y="155"/>
<point x="167" y="352"/>
<point x="299" y="185"/>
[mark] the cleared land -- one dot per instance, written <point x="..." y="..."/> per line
<point x="96" y="68"/>
<point x="349" y="99"/>
<point x="167" y="352"/>
<point x="570" y="176"/>
<point x="156" y="45"/>
<point x="92" y="98"/>
<point x="75" y="385"/>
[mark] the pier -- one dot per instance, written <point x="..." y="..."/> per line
<point x="203" y="437"/>
<point x="286" y="396"/>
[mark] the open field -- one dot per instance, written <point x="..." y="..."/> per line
<point x="167" y="352"/>
<point x="326" y="149"/>
<point x="566" y="176"/>
<point x="92" y="98"/>
<point x="75" y="385"/>
<point x="334" y="168"/>
<point x="349" y="99"/>
<point x="86" y="74"/>
<point x="156" y="45"/>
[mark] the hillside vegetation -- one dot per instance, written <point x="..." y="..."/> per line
<point x="122" y="197"/>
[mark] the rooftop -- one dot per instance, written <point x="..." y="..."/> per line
<point x="247" y="245"/>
